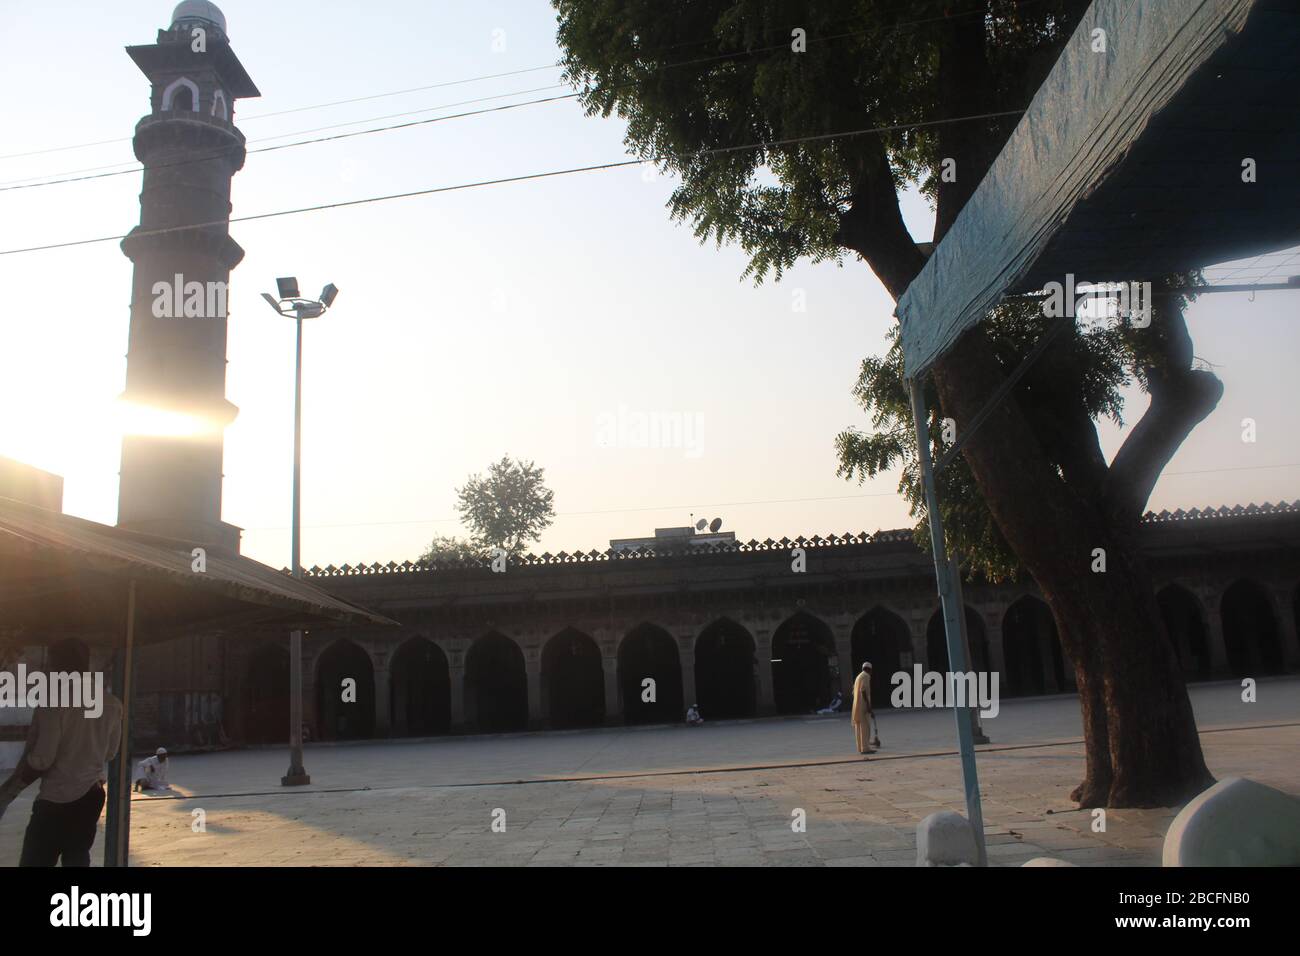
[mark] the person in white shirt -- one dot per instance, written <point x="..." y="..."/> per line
<point x="66" y="751"/>
<point x="151" y="773"/>
<point x="693" y="715"/>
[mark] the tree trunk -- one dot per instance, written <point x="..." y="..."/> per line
<point x="1142" y="745"/>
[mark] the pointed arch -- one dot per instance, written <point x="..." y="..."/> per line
<point x="353" y="718"/>
<point x="496" y="685"/>
<point x="936" y="642"/>
<point x="724" y="671"/>
<point x="1250" y="630"/>
<point x="220" y="108"/>
<point x="187" y="101"/>
<point x="419" y="700"/>
<point x="1185" y="625"/>
<point x="882" y="637"/>
<point x="1032" y="650"/>
<point x="648" y="651"/>
<point x="573" y="680"/>
<point x="805" y="668"/>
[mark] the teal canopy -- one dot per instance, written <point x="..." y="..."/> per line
<point x="1130" y="163"/>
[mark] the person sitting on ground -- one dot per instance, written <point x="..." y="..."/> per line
<point x="834" y="706"/>
<point x="151" y="773"/>
<point x="693" y="717"/>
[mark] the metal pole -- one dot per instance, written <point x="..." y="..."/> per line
<point x="297" y="774"/>
<point x="953" y="611"/>
<point x="117" y="836"/>
<point x="954" y="572"/>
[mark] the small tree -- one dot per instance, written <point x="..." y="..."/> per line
<point x="507" y="508"/>
<point x="445" y="548"/>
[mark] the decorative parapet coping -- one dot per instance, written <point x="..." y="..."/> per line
<point x="894" y="536"/>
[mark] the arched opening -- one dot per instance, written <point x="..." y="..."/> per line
<point x="881" y="637"/>
<point x="724" y="671"/>
<point x="649" y="652"/>
<point x="181" y="94"/>
<point x="573" y="680"/>
<point x="345" y="692"/>
<point x="805" y="670"/>
<point x="1032" y="651"/>
<point x="496" y="685"/>
<point x="1250" y="631"/>
<point x="265" y="717"/>
<point x="219" y="108"/>
<point x="420" y="694"/>
<point x="936" y="642"/>
<point x="1186" y="630"/>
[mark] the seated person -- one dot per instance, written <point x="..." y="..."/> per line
<point x="151" y="773"/>
<point x="693" y="717"/>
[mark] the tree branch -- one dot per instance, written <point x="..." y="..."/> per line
<point x="873" y="225"/>
<point x="1181" y="398"/>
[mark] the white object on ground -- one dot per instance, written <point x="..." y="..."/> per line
<point x="945" y="839"/>
<point x="1237" y="822"/>
<point x="1047" y="861"/>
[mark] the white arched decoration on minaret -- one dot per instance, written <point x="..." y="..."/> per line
<point x="170" y="92"/>
<point x="219" y="107"/>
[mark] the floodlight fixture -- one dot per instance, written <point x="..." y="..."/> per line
<point x="288" y="287"/>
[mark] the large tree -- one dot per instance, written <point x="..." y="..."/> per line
<point x="700" y="81"/>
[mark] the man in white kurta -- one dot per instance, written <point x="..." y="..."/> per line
<point x="862" y="712"/>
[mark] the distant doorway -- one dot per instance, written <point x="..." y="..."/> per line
<point x="345" y="693"/>
<point x="650" y="653"/>
<point x="805" y="670"/>
<point x="573" y="680"/>
<point x="724" y="671"/>
<point x="420" y="698"/>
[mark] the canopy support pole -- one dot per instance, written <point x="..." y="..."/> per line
<point x="949" y="581"/>
<point x="117" y="835"/>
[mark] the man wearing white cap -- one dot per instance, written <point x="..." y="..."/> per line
<point x="151" y="773"/>
<point x="862" y="712"/>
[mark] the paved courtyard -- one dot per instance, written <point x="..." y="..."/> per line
<point x="721" y="794"/>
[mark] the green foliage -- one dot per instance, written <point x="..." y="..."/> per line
<point x="444" y="548"/>
<point x="507" y="508"/>
<point x="700" y="81"/>
<point x="1089" y="368"/>
<point x="695" y="75"/>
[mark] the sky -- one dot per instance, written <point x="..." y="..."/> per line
<point x="544" y="319"/>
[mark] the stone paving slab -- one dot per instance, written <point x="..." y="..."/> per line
<point x="861" y="813"/>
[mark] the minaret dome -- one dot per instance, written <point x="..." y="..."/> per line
<point x="198" y="13"/>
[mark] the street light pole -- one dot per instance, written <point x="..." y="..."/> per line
<point x="291" y="303"/>
<point x="297" y="775"/>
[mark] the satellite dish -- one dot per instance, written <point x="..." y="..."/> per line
<point x="699" y="525"/>
<point x="715" y="524"/>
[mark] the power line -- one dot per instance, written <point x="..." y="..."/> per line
<point x="461" y="82"/>
<point x="70" y="176"/>
<point x="308" y="142"/>
<point x="821" y="137"/>
<point x="301" y="109"/>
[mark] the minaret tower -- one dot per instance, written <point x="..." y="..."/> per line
<point x="176" y="357"/>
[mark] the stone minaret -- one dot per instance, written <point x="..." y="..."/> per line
<point x="176" y="356"/>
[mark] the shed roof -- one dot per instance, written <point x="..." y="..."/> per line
<point x="64" y="576"/>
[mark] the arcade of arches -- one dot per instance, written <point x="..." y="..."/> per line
<point x="732" y="667"/>
<point x="636" y="642"/>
